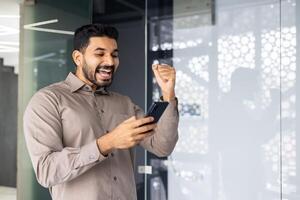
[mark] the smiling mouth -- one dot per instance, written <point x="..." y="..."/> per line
<point x="104" y="74"/>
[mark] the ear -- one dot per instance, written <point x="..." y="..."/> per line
<point x="77" y="58"/>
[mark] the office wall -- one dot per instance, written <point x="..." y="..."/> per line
<point x="8" y="125"/>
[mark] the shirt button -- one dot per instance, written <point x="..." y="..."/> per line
<point x="102" y="111"/>
<point x="91" y="157"/>
<point x="112" y="154"/>
<point x="115" y="178"/>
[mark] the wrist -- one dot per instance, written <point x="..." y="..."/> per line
<point x="105" y="144"/>
<point x="168" y="96"/>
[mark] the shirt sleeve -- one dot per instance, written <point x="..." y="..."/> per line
<point x="165" y="136"/>
<point x="52" y="162"/>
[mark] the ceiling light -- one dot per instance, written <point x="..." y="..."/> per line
<point x="34" y="27"/>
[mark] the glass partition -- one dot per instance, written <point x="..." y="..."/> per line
<point x="45" y="57"/>
<point x="289" y="49"/>
<point x="236" y="85"/>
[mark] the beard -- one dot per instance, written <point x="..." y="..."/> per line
<point x="94" y="76"/>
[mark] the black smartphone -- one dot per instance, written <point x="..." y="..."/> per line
<point x="156" y="110"/>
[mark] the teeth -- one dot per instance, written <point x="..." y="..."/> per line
<point x="105" y="70"/>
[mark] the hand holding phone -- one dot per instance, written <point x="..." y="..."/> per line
<point x="156" y="110"/>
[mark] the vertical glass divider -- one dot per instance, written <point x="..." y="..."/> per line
<point x="280" y="100"/>
<point x="146" y="87"/>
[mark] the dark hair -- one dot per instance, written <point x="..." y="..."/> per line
<point x="84" y="33"/>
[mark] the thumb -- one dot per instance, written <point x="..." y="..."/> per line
<point x="130" y="119"/>
<point x="157" y="75"/>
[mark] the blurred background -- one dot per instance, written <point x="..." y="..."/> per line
<point x="236" y="63"/>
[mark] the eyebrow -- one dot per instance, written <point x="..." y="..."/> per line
<point x="102" y="49"/>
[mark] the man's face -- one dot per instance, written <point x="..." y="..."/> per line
<point x="100" y="61"/>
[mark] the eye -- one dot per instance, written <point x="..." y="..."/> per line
<point x="115" y="55"/>
<point x="99" y="54"/>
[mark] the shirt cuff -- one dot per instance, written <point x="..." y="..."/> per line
<point x="90" y="153"/>
<point x="175" y="100"/>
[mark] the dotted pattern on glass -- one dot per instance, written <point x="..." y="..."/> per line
<point x="234" y="51"/>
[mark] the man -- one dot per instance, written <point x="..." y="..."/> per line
<point x="79" y="135"/>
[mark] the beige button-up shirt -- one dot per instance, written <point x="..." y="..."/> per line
<point x="61" y="125"/>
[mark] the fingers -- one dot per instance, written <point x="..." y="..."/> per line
<point x="145" y="128"/>
<point x="163" y="68"/>
<point x="142" y="136"/>
<point x="164" y="65"/>
<point x="137" y="138"/>
<point x="156" y="74"/>
<point x="167" y="71"/>
<point x="164" y="72"/>
<point x="142" y="121"/>
<point x="167" y="75"/>
<point x="132" y="131"/>
<point x="131" y="119"/>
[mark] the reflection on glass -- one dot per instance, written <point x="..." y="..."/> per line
<point x="234" y="51"/>
<point x="229" y="145"/>
<point x="236" y="85"/>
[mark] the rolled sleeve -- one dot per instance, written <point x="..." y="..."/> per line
<point x="165" y="136"/>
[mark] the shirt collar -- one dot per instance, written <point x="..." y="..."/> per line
<point x="102" y="90"/>
<point x="75" y="84"/>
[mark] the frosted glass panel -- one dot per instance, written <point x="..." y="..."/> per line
<point x="289" y="105"/>
<point x="236" y="79"/>
<point x="230" y="73"/>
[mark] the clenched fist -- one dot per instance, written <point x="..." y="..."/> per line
<point x="165" y="76"/>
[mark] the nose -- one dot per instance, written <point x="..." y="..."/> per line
<point x="109" y="60"/>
